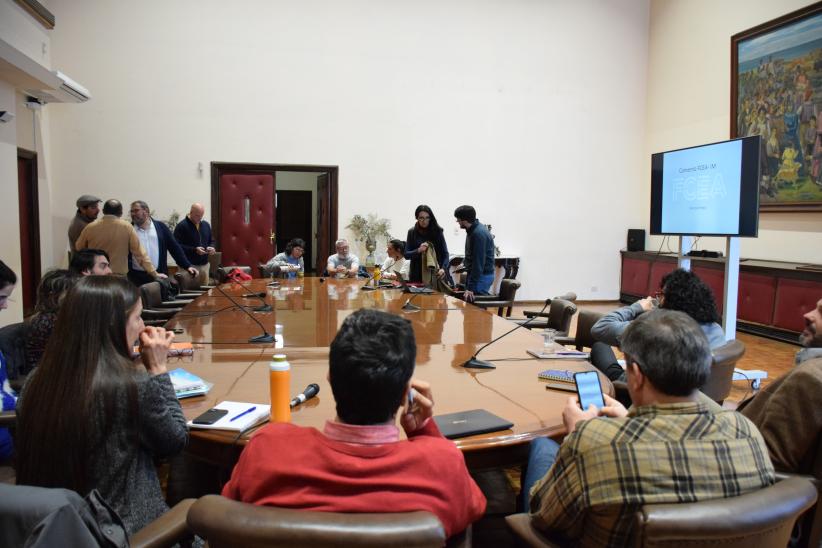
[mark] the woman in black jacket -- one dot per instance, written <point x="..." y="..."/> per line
<point x="425" y="233"/>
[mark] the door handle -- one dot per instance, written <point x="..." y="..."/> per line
<point x="273" y="237"/>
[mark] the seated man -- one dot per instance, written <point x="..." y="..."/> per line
<point x="358" y="462"/>
<point x="90" y="262"/>
<point x="668" y="448"/>
<point x="786" y="410"/>
<point x="681" y="290"/>
<point x="343" y="264"/>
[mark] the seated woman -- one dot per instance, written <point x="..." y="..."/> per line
<point x="8" y="399"/>
<point x="50" y="292"/>
<point x="682" y="290"/>
<point x="92" y="418"/>
<point x="290" y="261"/>
<point x="395" y="266"/>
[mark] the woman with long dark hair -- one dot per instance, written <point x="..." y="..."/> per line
<point x="90" y="417"/>
<point x="424" y="235"/>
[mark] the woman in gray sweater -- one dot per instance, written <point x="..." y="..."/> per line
<point x="90" y="417"/>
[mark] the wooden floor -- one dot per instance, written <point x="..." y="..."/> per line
<point x="769" y="355"/>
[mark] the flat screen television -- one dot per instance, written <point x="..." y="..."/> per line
<point x="707" y="190"/>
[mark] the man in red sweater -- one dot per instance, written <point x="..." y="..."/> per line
<point x="358" y="462"/>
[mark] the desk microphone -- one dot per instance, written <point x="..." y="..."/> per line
<point x="474" y="363"/>
<point x="266" y="337"/>
<point x="310" y="391"/>
<point x="265" y="307"/>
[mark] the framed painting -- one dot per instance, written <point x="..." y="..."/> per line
<point x="776" y="92"/>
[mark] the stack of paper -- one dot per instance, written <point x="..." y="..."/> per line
<point x="240" y="416"/>
<point x="188" y="384"/>
<point x="561" y="355"/>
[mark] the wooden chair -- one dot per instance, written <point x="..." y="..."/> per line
<point x="223" y="522"/>
<point x="582" y="338"/>
<point x="156" y="311"/>
<point x="762" y="518"/>
<point x="560" y="313"/>
<point x="504" y="301"/>
<point x="25" y="510"/>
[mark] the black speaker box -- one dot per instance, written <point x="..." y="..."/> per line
<point x="636" y="239"/>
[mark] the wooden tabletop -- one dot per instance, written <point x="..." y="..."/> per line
<point x="448" y="332"/>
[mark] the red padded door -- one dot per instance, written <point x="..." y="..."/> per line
<point x="246" y="219"/>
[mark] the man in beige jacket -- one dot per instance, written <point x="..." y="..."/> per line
<point x="118" y="238"/>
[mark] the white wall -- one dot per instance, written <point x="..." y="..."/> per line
<point x="10" y="242"/>
<point x="295" y="180"/>
<point x="531" y="111"/>
<point x="689" y="88"/>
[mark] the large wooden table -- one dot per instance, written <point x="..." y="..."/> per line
<point x="448" y="331"/>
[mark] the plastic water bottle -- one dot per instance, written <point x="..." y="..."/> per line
<point x="279" y="382"/>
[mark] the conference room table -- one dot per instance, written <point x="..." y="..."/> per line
<point x="448" y="332"/>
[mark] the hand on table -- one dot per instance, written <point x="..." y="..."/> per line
<point x="468" y="296"/>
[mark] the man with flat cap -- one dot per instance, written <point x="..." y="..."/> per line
<point x="87" y="210"/>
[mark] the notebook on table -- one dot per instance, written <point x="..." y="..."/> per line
<point x="470" y="423"/>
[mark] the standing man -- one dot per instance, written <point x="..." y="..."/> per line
<point x="479" y="253"/>
<point x="194" y="236"/>
<point x="117" y="238"/>
<point x="157" y="240"/>
<point x="786" y="411"/>
<point x="87" y="211"/>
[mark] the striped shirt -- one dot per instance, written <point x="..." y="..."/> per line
<point x="669" y="453"/>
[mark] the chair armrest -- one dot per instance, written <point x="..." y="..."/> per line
<point x="167" y="530"/>
<point x="491" y="304"/>
<point x="151" y="314"/>
<point x="533" y="314"/>
<point x="173" y="304"/>
<point x="781" y="476"/>
<point x="8" y="418"/>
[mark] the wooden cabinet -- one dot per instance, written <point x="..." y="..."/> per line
<point x="772" y="298"/>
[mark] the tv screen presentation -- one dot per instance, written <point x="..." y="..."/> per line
<point x="708" y="190"/>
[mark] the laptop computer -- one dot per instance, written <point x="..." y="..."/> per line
<point x="470" y="423"/>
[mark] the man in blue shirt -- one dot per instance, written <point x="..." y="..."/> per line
<point x="479" y="253"/>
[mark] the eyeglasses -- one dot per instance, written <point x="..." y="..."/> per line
<point x="421" y="218"/>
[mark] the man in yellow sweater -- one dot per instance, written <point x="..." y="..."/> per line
<point x="118" y="238"/>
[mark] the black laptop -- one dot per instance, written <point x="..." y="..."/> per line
<point x="470" y="423"/>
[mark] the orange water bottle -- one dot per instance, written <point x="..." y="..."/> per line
<point x="279" y="381"/>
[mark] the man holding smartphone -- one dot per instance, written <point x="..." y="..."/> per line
<point x="663" y="450"/>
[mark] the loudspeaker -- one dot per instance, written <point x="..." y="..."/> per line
<point x="636" y="239"/>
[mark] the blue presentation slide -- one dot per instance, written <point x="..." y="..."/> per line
<point x="700" y="189"/>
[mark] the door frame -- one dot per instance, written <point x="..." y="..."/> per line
<point x="328" y="223"/>
<point x="33" y="228"/>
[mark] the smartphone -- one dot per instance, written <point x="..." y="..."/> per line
<point x="211" y="416"/>
<point x="589" y="390"/>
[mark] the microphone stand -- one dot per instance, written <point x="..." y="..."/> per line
<point x="408" y="305"/>
<point x="474" y="363"/>
<point x="265" y="307"/>
<point x="266" y="337"/>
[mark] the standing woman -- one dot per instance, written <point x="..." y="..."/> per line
<point x="423" y="235"/>
<point x="90" y="417"/>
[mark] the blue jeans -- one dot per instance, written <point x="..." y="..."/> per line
<point x="481" y="286"/>
<point x="540" y="460"/>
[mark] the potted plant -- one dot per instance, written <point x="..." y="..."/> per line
<point x="367" y="230"/>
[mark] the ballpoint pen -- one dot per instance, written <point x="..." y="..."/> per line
<point x="246" y="412"/>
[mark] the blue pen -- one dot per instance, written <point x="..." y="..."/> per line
<point x="246" y="412"/>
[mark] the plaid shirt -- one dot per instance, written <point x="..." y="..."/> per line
<point x="670" y="453"/>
